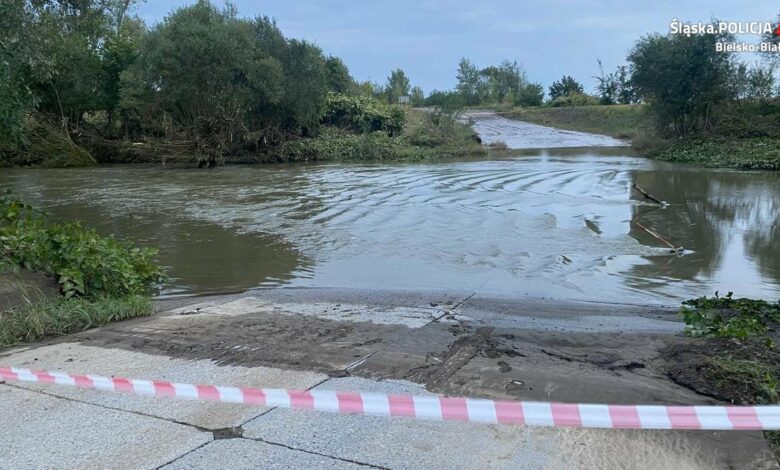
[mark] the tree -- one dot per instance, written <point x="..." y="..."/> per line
<point x="607" y="88"/>
<point x="16" y="56"/>
<point x="397" y="85"/>
<point x="681" y="78"/>
<point x="752" y="83"/>
<point x="502" y="81"/>
<point x="772" y="58"/>
<point x="566" y="86"/>
<point x="469" y="82"/>
<point x="614" y="87"/>
<point x="626" y="93"/>
<point x="532" y="94"/>
<point x="337" y="75"/>
<point x="417" y="96"/>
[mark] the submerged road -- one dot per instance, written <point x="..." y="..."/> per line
<point x="470" y="342"/>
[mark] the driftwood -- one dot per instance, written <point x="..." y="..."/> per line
<point x="674" y="249"/>
<point x="647" y="195"/>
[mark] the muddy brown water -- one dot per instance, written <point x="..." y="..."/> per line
<point x="561" y="223"/>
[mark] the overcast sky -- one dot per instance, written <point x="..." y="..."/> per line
<point x="427" y="38"/>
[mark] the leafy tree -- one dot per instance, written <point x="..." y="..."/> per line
<point x="417" y="96"/>
<point x="773" y="58"/>
<point x="614" y="87"/>
<point x="16" y="56"/>
<point x="469" y="82"/>
<point x="502" y="81"/>
<point x="566" y="86"/>
<point x="681" y="78"/>
<point x="626" y="93"/>
<point x="337" y="75"/>
<point x="607" y="87"/>
<point x="532" y="94"/>
<point x="397" y="85"/>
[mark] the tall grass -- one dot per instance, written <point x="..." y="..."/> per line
<point x="63" y="316"/>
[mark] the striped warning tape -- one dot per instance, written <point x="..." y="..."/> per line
<point x="432" y="407"/>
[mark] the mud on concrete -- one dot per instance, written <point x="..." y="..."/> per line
<point x="451" y="343"/>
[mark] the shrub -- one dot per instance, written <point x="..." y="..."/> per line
<point x="574" y="99"/>
<point x="83" y="263"/>
<point x="362" y="114"/>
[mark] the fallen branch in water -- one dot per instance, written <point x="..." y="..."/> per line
<point x="647" y="195"/>
<point x="674" y="248"/>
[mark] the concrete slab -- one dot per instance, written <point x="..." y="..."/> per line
<point x="412" y="317"/>
<point x="76" y="358"/>
<point x="41" y="431"/>
<point x="246" y="454"/>
<point x="401" y="443"/>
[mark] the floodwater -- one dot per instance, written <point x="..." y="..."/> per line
<point x="517" y="134"/>
<point x="562" y="223"/>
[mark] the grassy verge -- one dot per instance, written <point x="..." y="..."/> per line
<point x="626" y="121"/>
<point x="63" y="316"/>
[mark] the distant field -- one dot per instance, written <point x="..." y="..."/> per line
<point x="625" y="121"/>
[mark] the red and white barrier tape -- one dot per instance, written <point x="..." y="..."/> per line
<point x="432" y="407"/>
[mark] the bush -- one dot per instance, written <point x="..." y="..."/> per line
<point x="333" y="144"/>
<point x="83" y="263"/>
<point x="362" y="114"/>
<point x="574" y="99"/>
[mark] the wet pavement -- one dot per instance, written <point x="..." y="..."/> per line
<point x="276" y="339"/>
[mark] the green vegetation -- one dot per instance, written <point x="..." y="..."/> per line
<point x="101" y="279"/>
<point x="362" y="114"/>
<point x="63" y="316"/>
<point x="727" y="317"/>
<point x="734" y="357"/>
<point x="84" y="263"/>
<point x="754" y="380"/>
<point x="425" y="135"/>
<point x="761" y="153"/>
<point x="565" y="87"/>
<point x="88" y="81"/>
<point x="621" y="121"/>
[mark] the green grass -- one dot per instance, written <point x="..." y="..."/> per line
<point x="744" y="377"/>
<point x="753" y="153"/>
<point x="625" y="121"/>
<point x="61" y="316"/>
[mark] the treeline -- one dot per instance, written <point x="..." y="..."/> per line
<point x="688" y="84"/>
<point x="505" y="83"/>
<point x="203" y="82"/>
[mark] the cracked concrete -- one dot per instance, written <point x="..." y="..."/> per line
<point x="457" y="344"/>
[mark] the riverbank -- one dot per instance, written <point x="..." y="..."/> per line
<point x="422" y="136"/>
<point x="743" y="137"/>
<point x="446" y="342"/>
